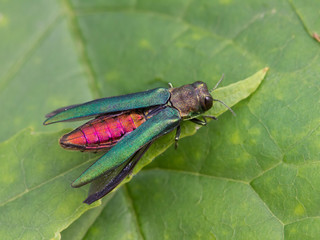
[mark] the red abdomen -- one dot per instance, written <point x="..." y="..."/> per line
<point x="103" y="132"/>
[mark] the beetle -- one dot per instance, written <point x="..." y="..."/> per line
<point x="125" y="126"/>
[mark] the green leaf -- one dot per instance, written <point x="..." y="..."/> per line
<point x="253" y="176"/>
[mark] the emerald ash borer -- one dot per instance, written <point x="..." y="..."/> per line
<point x="125" y="126"/>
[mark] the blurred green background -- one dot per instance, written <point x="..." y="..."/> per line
<point x="256" y="176"/>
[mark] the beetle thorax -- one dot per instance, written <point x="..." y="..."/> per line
<point x="186" y="100"/>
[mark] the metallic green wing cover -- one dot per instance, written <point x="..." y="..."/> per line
<point x="161" y="123"/>
<point x="154" y="97"/>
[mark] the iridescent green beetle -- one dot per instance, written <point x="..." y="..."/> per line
<point x="126" y="126"/>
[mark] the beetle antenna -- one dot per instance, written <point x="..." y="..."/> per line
<point x="215" y="87"/>
<point x="217" y="100"/>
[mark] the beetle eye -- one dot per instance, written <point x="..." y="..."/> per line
<point x="208" y="100"/>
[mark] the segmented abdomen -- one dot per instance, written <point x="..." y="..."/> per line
<point x="102" y="132"/>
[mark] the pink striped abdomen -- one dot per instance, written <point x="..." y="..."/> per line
<point x="102" y="132"/>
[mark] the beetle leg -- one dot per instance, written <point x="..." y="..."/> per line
<point x="211" y="117"/>
<point x="199" y="122"/>
<point x="204" y="120"/>
<point x="170" y="85"/>
<point x="177" y="137"/>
